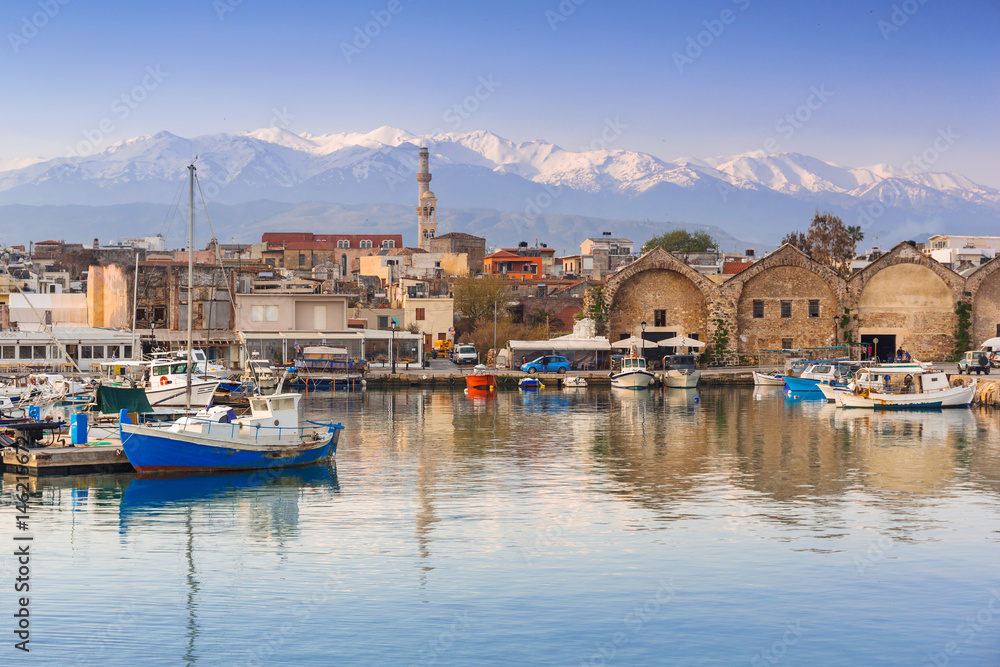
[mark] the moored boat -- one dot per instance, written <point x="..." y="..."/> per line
<point x="762" y="379"/>
<point x="681" y="372"/>
<point x="481" y="378"/>
<point x="574" y="382"/>
<point x="904" y="386"/>
<point x="216" y="439"/>
<point x="530" y="384"/>
<point x="633" y="373"/>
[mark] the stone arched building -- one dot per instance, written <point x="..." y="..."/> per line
<point x="903" y="299"/>
<point x="983" y="288"/>
<point x="668" y="295"/>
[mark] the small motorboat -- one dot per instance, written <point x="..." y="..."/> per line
<point x="762" y="379"/>
<point x="633" y="373"/>
<point x="530" y="384"/>
<point x="574" y="382"/>
<point x="481" y="378"/>
<point x="682" y="372"/>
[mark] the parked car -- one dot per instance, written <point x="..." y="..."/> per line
<point x="995" y="360"/>
<point x="464" y="354"/>
<point x="974" y="361"/>
<point x="547" y="364"/>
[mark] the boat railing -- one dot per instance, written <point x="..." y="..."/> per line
<point x="248" y="431"/>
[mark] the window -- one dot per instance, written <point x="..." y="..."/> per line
<point x="263" y="313"/>
<point x="758" y="309"/>
<point x="86" y="352"/>
<point x="383" y="321"/>
<point x="98" y="352"/>
<point x="659" y="318"/>
<point x="40" y="351"/>
<point x="302" y="259"/>
<point x="366" y="243"/>
<point x="343" y="243"/>
<point x="786" y="308"/>
<point x="540" y="290"/>
<point x="813" y="307"/>
<point x="9" y="351"/>
<point x="24" y="352"/>
<point x="786" y="343"/>
<point x="387" y="243"/>
<point x="140" y="314"/>
<point x="420" y="313"/>
<point x="159" y="313"/>
<point x="128" y="352"/>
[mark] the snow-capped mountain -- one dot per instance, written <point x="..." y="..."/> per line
<point x="753" y="196"/>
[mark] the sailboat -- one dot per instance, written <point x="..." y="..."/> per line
<point x="215" y="438"/>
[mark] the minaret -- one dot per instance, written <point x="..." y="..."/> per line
<point x="426" y="204"/>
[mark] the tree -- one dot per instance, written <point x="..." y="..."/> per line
<point x="857" y="236"/>
<point x="478" y="298"/>
<point x="681" y="240"/>
<point x="827" y="242"/>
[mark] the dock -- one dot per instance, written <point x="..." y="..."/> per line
<point x="66" y="460"/>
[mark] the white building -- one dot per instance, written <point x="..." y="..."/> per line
<point x="962" y="252"/>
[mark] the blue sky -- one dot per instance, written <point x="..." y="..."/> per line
<point x="560" y="72"/>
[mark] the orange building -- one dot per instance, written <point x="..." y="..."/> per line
<point x="520" y="263"/>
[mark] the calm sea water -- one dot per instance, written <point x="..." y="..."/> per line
<point x="724" y="526"/>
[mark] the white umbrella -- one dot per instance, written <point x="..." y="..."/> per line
<point x="633" y="342"/>
<point x="681" y="341"/>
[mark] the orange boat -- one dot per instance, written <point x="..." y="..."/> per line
<point x="481" y="379"/>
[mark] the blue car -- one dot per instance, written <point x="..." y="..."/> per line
<point x="547" y="364"/>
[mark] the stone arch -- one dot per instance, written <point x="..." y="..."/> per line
<point x="910" y="296"/>
<point x="663" y="291"/>
<point x="798" y="302"/>
<point x="984" y="286"/>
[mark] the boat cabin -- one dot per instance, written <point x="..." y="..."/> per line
<point x="277" y="410"/>
<point x="681" y="362"/>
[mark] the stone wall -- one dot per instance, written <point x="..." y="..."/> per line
<point x="984" y="286"/>
<point x="910" y="296"/>
<point x="798" y="287"/>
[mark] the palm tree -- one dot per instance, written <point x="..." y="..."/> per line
<point x="855" y="234"/>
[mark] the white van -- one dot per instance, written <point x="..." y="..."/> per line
<point x="465" y="354"/>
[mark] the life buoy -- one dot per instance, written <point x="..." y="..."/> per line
<point x="163" y="379"/>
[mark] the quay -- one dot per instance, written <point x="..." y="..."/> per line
<point x="62" y="459"/>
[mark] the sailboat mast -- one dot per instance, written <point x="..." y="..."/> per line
<point x="135" y="300"/>
<point x="190" y="284"/>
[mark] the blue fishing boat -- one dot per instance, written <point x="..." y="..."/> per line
<point x="216" y="439"/>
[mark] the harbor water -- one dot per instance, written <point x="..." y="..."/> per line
<point x="560" y="527"/>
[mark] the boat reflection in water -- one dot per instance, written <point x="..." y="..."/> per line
<point x="279" y="488"/>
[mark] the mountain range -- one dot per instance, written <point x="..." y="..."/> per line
<point x="273" y="179"/>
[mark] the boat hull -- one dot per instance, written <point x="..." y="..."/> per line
<point x="768" y="380"/>
<point x="633" y="379"/>
<point x="481" y="381"/>
<point x="682" y="379"/>
<point x="151" y="450"/>
<point x="174" y="395"/>
<point x="955" y="397"/>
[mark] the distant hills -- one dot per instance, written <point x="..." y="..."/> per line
<point x="272" y="179"/>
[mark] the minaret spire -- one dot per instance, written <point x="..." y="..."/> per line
<point x="426" y="203"/>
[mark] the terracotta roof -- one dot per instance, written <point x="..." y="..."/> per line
<point x="503" y="254"/>
<point x="47" y="243"/>
<point x="729" y="268"/>
<point x="460" y="235"/>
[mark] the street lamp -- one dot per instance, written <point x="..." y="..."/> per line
<point x="642" y="348"/>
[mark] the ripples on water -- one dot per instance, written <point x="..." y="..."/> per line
<point x="557" y="527"/>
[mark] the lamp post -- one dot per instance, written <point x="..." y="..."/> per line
<point x="642" y="346"/>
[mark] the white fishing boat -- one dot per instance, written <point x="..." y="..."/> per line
<point x="763" y="379"/>
<point x="168" y="386"/>
<point x="271" y="436"/>
<point x="681" y="372"/>
<point x="574" y="382"/>
<point x="903" y="386"/>
<point x="632" y="374"/>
